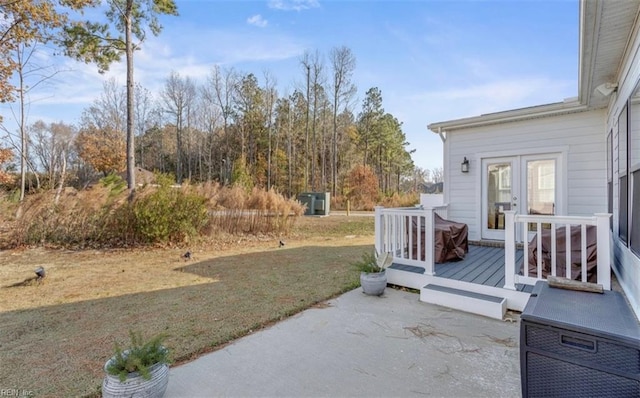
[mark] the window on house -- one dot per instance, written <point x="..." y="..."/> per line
<point x="634" y="171"/>
<point x="623" y="182"/>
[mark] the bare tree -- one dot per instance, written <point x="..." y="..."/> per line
<point x="145" y="113"/>
<point x="29" y="76"/>
<point x="179" y="95"/>
<point x="221" y="85"/>
<point x="52" y="146"/>
<point x="343" y="63"/>
<point x="270" y="98"/>
<point x="208" y="118"/>
<point x="109" y="110"/>
<point x="437" y="175"/>
<point x="305" y="61"/>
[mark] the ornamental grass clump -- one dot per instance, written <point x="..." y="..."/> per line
<point x="138" y="357"/>
<point x="371" y="262"/>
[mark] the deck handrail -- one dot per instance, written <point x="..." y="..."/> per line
<point x="515" y="222"/>
<point x="408" y="232"/>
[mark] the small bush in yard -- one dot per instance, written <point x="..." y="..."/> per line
<point x="169" y="214"/>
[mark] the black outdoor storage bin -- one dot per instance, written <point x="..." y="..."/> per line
<point x="579" y="344"/>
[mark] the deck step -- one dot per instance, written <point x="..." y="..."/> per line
<point x="476" y="303"/>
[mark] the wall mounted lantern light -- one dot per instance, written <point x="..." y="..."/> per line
<point x="465" y="165"/>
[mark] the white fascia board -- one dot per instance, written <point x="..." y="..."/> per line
<point x="554" y="109"/>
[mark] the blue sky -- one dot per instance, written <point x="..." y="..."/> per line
<point x="432" y="60"/>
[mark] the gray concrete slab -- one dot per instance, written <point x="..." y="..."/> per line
<point x="391" y="346"/>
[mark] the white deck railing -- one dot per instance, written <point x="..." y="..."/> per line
<point x="408" y="233"/>
<point x="517" y="225"/>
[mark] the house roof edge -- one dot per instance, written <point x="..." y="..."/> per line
<point x="534" y="112"/>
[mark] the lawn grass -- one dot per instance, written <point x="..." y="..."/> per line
<point x="56" y="335"/>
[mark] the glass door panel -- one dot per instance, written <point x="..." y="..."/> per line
<point x="499" y="195"/>
<point x="541" y="189"/>
<point x="541" y="186"/>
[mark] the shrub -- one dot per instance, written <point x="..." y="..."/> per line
<point x="401" y="200"/>
<point x="169" y="214"/>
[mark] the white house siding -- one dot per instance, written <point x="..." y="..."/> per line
<point x="580" y="135"/>
<point x="626" y="265"/>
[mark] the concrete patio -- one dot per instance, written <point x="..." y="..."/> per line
<point x="357" y="345"/>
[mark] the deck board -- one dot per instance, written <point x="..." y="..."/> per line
<point x="477" y="255"/>
<point x="498" y="278"/>
<point x="483" y="265"/>
<point x="483" y="270"/>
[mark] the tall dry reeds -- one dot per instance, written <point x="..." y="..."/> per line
<point x="255" y="212"/>
<point x="102" y="215"/>
<point x="366" y="203"/>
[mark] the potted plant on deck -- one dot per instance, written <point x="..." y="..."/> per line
<point x="373" y="277"/>
<point x="140" y="370"/>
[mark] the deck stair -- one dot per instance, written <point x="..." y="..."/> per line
<point x="477" y="303"/>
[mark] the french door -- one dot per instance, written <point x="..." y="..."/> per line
<point x="527" y="184"/>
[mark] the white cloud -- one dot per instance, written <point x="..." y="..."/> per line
<point x="224" y="47"/>
<point x="293" y="5"/>
<point x="257" y="20"/>
<point x="493" y="96"/>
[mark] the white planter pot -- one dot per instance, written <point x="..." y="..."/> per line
<point x="136" y="385"/>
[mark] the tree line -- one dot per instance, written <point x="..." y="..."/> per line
<point x="233" y="127"/>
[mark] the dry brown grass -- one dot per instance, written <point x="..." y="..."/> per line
<point x="57" y="334"/>
<point x="102" y="216"/>
<point x="367" y="203"/>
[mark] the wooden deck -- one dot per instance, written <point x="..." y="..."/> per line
<point x="482" y="265"/>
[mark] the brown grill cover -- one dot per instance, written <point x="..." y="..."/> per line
<point x="450" y="240"/>
<point x="561" y="250"/>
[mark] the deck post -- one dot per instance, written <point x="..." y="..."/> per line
<point x="379" y="233"/>
<point x="429" y="236"/>
<point x="509" y="250"/>
<point x="604" y="249"/>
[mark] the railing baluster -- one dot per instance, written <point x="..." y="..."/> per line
<point x="525" y="261"/>
<point x="539" y="248"/>
<point x="567" y="246"/>
<point x="604" y="250"/>
<point x="378" y="228"/>
<point x="429" y="229"/>
<point x="583" y="252"/>
<point x="510" y="250"/>
<point x="410" y="233"/>
<point x="390" y="245"/>
<point x="394" y="236"/>
<point x="401" y="234"/>
<point x="554" y="250"/>
<point x="419" y="255"/>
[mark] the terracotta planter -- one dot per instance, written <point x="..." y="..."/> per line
<point x="373" y="283"/>
<point x="136" y="385"/>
